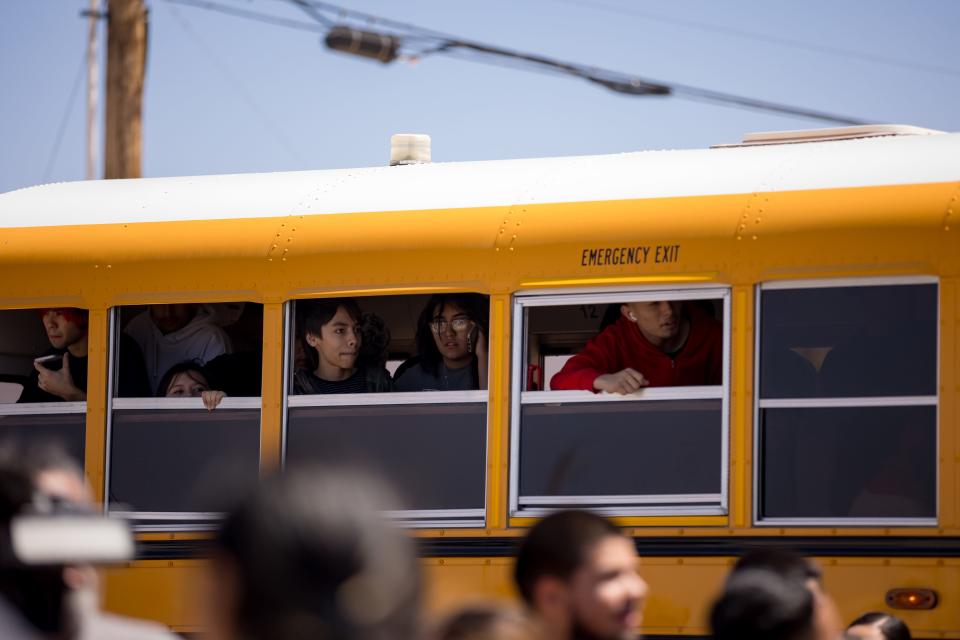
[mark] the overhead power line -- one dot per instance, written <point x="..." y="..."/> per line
<point x="68" y="110"/>
<point x="238" y="86"/>
<point x="614" y="80"/>
<point x="412" y="41"/>
<point x="257" y="16"/>
<point x="763" y="37"/>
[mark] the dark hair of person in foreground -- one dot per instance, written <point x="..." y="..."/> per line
<point x="310" y="554"/>
<point x="556" y="545"/>
<point x="487" y="621"/>
<point x="890" y="626"/>
<point x="757" y="604"/>
<point x="35" y="595"/>
<point x="786" y="564"/>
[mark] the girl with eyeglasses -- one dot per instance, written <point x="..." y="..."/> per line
<point x="451" y="345"/>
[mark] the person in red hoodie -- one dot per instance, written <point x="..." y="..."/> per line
<point x="652" y="344"/>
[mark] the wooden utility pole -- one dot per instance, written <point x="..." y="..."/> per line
<point x="126" y="64"/>
<point x="93" y="79"/>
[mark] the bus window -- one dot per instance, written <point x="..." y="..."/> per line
<point x="397" y="383"/>
<point x="847" y="411"/>
<point x="40" y="398"/>
<point x="622" y="402"/>
<point x="185" y="382"/>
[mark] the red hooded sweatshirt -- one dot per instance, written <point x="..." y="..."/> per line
<point x="621" y="345"/>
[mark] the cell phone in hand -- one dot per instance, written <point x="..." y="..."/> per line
<point x="53" y="362"/>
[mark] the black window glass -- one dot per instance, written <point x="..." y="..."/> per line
<point x="851" y="462"/>
<point x="69" y="430"/>
<point x="44" y="338"/>
<point x="849" y="341"/>
<point x="173" y="460"/>
<point x="435" y="454"/>
<point x="621" y="448"/>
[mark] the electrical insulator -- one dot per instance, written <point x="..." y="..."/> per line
<point x="368" y="44"/>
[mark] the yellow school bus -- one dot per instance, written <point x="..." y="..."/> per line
<point x="830" y="258"/>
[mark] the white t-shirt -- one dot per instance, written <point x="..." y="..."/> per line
<point x="200" y="340"/>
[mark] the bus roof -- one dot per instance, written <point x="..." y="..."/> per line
<point x="895" y="160"/>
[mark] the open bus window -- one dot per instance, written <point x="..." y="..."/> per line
<point x="654" y="446"/>
<point x="399" y="384"/>
<point x="847" y="415"/>
<point x="34" y="346"/>
<point x="224" y="339"/>
<point x="40" y="399"/>
<point x="663" y="343"/>
<point x="376" y="345"/>
<point x="186" y="382"/>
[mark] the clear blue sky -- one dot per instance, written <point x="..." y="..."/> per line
<point x="226" y="95"/>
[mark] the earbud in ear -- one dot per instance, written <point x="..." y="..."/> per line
<point x="633" y="317"/>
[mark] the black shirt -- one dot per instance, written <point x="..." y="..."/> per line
<point x="78" y="371"/>
<point x="307" y="382"/>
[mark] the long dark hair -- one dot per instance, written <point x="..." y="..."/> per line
<point x="475" y="305"/>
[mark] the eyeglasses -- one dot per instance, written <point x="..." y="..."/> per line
<point x="439" y="325"/>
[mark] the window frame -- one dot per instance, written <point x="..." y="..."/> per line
<point x="619" y="505"/>
<point x="48" y="408"/>
<point x="172" y="521"/>
<point x="410" y="518"/>
<point x="871" y="401"/>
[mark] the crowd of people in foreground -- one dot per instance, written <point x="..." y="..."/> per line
<point x="310" y="555"/>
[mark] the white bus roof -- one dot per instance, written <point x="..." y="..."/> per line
<point x="875" y="161"/>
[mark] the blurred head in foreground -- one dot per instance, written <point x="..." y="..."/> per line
<point x="796" y="569"/>
<point x="878" y="626"/>
<point x="309" y="554"/>
<point x="578" y="573"/>
<point x="488" y="621"/>
<point x="757" y="604"/>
